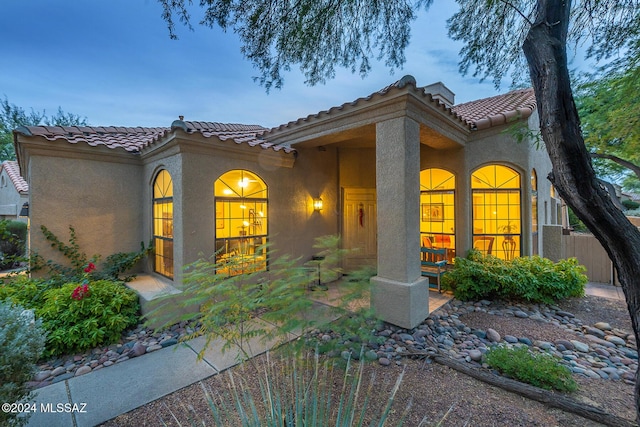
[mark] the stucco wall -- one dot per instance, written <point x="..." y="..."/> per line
<point x="101" y="200"/>
<point x="357" y="167"/>
<point x="292" y="222"/>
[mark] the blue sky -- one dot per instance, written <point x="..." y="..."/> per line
<point x="112" y="62"/>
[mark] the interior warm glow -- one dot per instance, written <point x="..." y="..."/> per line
<point x="438" y="210"/>
<point x="241" y="217"/>
<point x="497" y="211"/>
<point x="317" y="204"/>
<point x="163" y="223"/>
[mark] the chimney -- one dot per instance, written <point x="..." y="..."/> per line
<point x="440" y="92"/>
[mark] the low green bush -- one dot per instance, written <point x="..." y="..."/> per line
<point x="540" y="370"/>
<point x="13" y="235"/>
<point x="533" y="279"/>
<point x="21" y="345"/>
<point x="24" y="291"/>
<point x="80" y="306"/>
<point x="630" y="204"/>
<point x="78" y="316"/>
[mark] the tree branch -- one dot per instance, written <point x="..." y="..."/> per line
<point x="518" y="11"/>
<point x="622" y="162"/>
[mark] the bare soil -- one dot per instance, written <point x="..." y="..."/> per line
<point x="437" y="394"/>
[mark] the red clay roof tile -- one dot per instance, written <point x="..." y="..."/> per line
<point x="479" y="114"/>
<point x="136" y="139"/>
<point x="476" y="115"/>
<point x="13" y="170"/>
<point x="497" y="110"/>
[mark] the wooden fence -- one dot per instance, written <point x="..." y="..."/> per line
<point x="590" y="253"/>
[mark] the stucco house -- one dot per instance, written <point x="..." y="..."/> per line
<point x="399" y="169"/>
<point x="14" y="192"/>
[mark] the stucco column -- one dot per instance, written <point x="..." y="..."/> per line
<point x="552" y="242"/>
<point x="399" y="293"/>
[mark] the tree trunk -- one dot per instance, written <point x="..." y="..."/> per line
<point x="572" y="173"/>
<point x="550" y="398"/>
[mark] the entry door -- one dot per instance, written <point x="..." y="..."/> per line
<point x="359" y="227"/>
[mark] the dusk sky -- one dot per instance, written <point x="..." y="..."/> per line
<point x="112" y="61"/>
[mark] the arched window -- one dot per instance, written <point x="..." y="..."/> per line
<point x="163" y="223"/>
<point x="438" y="210"/>
<point x="241" y="219"/>
<point x="497" y="225"/>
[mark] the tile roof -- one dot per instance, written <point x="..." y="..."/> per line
<point x="247" y="134"/>
<point x="497" y="110"/>
<point x="127" y="138"/>
<point x="13" y="170"/>
<point x="476" y="115"/>
<point x="135" y="139"/>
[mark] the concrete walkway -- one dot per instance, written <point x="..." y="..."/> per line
<point x="604" y="290"/>
<point x="96" y="397"/>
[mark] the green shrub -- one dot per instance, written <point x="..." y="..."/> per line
<point x="540" y="370"/>
<point x="21" y="344"/>
<point x="533" y="279"/>
<point x="576" y="223"/>
<point x="78" y="318"/>
<point x="24" y="291"/>
<point x="13" y="235"/>
<point x="630" y="204"/>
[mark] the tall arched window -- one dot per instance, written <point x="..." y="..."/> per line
<point x="163" y="223"/>
<point x="497" y="225"/>
<point x="438" y="210"/>
<point x="241" y="219"/>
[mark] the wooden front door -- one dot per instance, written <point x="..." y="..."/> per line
<point x="359" y="227"/>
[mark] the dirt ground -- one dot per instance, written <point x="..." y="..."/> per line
<point x="437" y="395"/>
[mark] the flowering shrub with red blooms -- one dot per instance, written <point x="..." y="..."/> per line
<point x="80" y="292"/>
<point x="89" y="268"/>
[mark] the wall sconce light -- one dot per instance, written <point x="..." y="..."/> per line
<point x="25" y="209"/>
<point x="317" y="204"/>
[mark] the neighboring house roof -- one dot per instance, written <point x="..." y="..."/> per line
<point x="13" y="170"/>
<point x="136" y="139"/>
<point x="497" y="110"/>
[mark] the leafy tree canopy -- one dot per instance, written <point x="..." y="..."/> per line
<point x="12" y="116"/>
<point x="608" y="108"/>
<point x="494" y="31"/>
<point x="317" y="35"/>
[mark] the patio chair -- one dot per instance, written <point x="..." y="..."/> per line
<point x="484" y="244"/>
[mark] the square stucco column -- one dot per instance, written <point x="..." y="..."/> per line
<point x="400" y="295"/>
